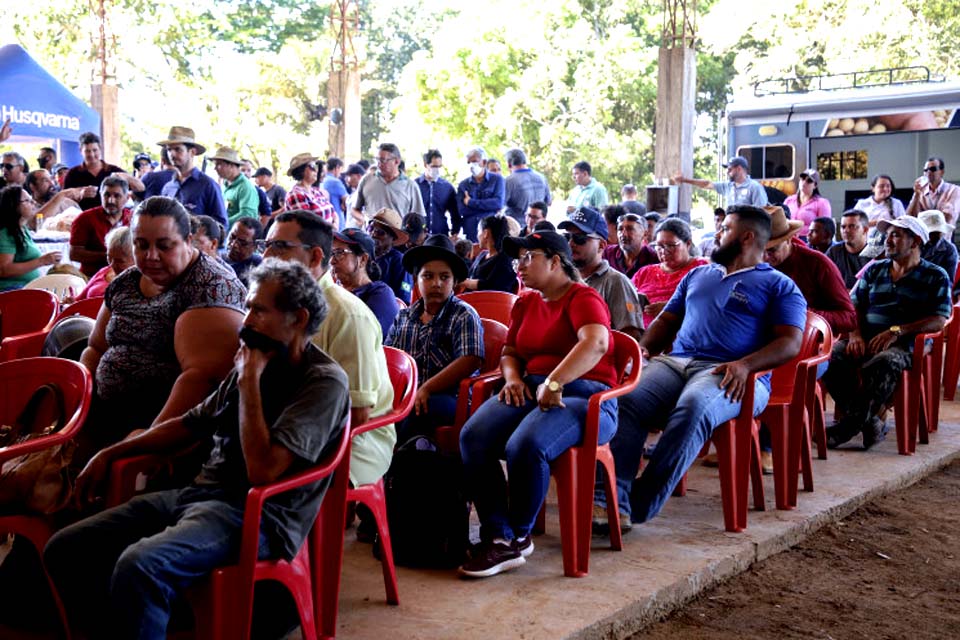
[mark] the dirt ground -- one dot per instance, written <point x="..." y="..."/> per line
<point x="889" y="570"/>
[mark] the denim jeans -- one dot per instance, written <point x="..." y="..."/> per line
<point x="529" y="439"/>
<point x="441" y="410"/>
<point x="138" y="557"/>
<point x="683" y="398"/>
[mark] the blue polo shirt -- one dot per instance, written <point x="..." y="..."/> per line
<point x="726" y="317"/>
<point x="199" y="194"/>
<point x="337" y="191"/>
<point x="394" y="275"/>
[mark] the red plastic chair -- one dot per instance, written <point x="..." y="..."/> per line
<point x="401" y="304"/>
<point x="788" y="415"/>
<point x="495" y="305"/>
<point x="403" y="376"/>
<point x="88" y="307"/>
<point x="917" y="398"/>
<point x="494" y="337"/>
<point x="31" y="345"/>
<point x="951" y="367"/>
<point x="18" y="380"/>
<point x="223" y="604"/>
<point x="25" y="314"/>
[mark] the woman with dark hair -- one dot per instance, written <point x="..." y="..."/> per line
<point x="305" y="194"/>
<point x="354" y="267"/>
<point x="673" y="242"/>
<point x="20" y="258"/>
<point x="558" y="352"/>
<point x="167" y="332"/>
<point x="492" y="270"/>
<point x="881" y="205"/>
<point x="807" y="204"/>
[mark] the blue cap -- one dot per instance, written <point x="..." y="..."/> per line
<point x="588" y="220"/>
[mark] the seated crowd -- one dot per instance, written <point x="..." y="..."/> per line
<point x="254" y="318"/>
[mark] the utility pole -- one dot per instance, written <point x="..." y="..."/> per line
<point x="104" y="95"/>
<point x="343" y="86"/>
<point x="676" y="95"/>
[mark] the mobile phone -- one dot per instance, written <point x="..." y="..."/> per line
<point x="256" y="340"/>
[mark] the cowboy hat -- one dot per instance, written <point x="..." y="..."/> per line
<point x="185" y="136"/>
<point x="436" y="247"/>
<point x="390" y="219"/>
<point x="299" y="160"/>
<point x="781" y="228"/>
<point x="226" y="154"/>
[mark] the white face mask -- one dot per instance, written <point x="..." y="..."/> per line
<point x="432" y="173"/>
<point x="476" y="168"/>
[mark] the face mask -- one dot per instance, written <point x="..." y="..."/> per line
<point x="475" y="169"/>
<point x="433" y="173"/>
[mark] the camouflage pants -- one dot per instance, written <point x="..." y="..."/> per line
<point x="863" y="386"/>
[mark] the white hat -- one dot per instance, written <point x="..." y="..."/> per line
<point x="936" y="222"/>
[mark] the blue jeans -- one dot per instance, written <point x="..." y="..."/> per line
<point x="441" y="411"/>
<point x="685" y="400"/>
<point x="529" y="439"/>
<point x="138" y="557"/>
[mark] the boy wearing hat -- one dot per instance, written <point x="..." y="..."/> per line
<point x="442" y="333"/>
<point x="386" y="229"/>
<point x="195" y="190"/>
<point x="739" y="189"/>
<point x="897" y="297"/>
<point x="238" y="192"/>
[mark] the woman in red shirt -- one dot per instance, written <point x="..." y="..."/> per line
<point x="558" y="353"/>
<point x="674" y="246"/>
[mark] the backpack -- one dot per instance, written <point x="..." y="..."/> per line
<point x="427" y="509"/>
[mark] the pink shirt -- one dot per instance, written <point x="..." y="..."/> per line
<point x="810" y="210"/>
<point x="946" y="198"/>
<point x="658" y="285"/>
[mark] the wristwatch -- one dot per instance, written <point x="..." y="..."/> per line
<point x="896" y="330"/>
<point x="553" y="385"/>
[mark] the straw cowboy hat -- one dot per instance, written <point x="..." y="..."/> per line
<point x="390" y="219"/>
<point x="780" y="228"/>
<point x="299" y="160"/>
<point x="226" y="154"/>
<point x="185" y="136"/>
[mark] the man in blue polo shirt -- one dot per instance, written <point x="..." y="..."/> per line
<point x="725" y="320"/>
<point x="198" y="192"/>
<point x="896" y="298"/>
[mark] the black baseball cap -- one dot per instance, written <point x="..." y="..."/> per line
<point x="262" y="171"/>
<point x="550" y="240"/>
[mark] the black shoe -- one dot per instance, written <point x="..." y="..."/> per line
<point x="497" y="558"/>
<point x="875" y="432"/>
<point x="367" y="525"/>
<point x="524" y="545"/>
<point x="839" y="434"/>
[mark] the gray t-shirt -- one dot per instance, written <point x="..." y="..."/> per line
<point x="750" y="192"/>
<point x="620" y="295"/>
<point x="402" y="195"/>
<point x="305" y="407"/>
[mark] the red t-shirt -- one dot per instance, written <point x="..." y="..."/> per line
<point x="90" y="230"/>
<point x="543" y="333"/>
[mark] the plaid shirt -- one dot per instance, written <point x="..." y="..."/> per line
<point x="453" y="333"/>
<point x="313" y="199"/>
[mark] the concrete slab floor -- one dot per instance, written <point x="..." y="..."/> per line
<point x="664" y="563"/>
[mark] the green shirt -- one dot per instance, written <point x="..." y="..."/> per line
<point x="593" y="195"/>
<point x="241" y="198"/>
<point x="29" y="252"/>
<point x="351" y="334"/>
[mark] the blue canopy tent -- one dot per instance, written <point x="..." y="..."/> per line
<point x="40" y="109"/>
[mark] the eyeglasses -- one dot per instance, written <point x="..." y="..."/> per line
<point x="630" y="217"/>
<point x="311" y="165"/>
<point x="578" y="239"/>
<point x="667" y="247"/>
<point x="925" y="169"/>
<point x="527" y="258"/>
<point x="385" y="160"/>
<point x="280" y="245"/>
<point x="336" y="254"/>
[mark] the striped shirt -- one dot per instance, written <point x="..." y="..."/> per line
<point x="923" y="292"/>
<point x="453" y="333"/>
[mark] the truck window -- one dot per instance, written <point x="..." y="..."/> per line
<point x="769" y="162"/>
<point x="842" y="165"/>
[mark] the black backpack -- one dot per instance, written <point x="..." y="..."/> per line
<point x="427" y="509"/>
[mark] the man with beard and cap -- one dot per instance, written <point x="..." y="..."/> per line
<point x="725" y="320"/>
<point x="586" y="232"/>
<point x="281" y="410"/>
<point x="89" y="231"/>
<point x="896" y="298"/>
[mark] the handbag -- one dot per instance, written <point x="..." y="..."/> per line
<point x="41" y="481"/>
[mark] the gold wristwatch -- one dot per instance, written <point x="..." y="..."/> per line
<point x="552" y="385"/>
<point x="896" y="330"/>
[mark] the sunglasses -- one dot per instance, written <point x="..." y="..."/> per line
<point x="925" y="169"/>
<point x="808" y="179"/>
<point x="8" y="167"/>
